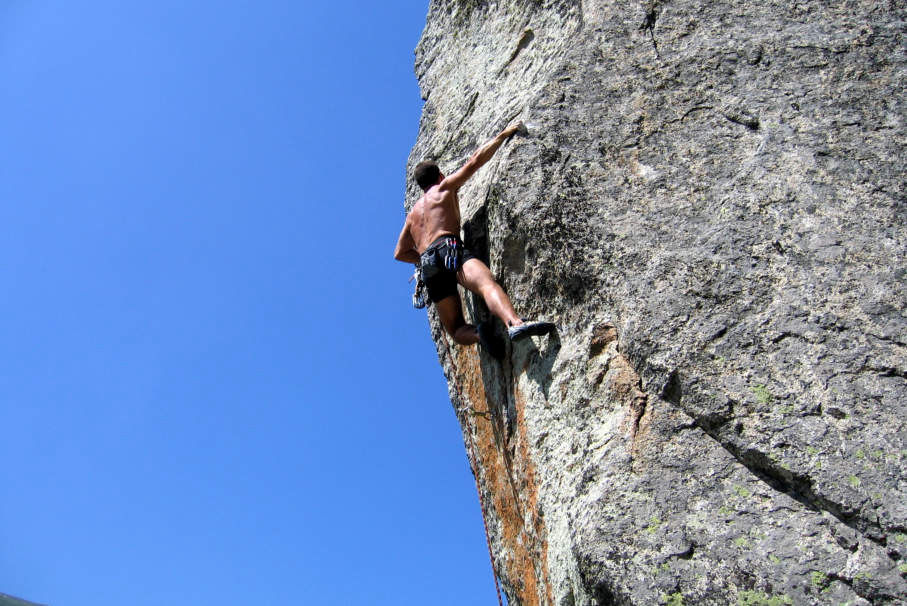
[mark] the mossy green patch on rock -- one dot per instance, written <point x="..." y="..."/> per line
<point x="759" y="598"/>
<point x="742" y="491"/>
<point x="818" y="578"/>
<point x="763" y="395"/>
<point x="654" y="523"/>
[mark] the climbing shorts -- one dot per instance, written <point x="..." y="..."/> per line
<point x="439" y="265"/>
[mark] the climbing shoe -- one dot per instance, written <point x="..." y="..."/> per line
<point x="529" y="329"/>
<point x="492" y="343"/>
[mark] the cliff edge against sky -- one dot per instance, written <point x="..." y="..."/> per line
<point x="711" y="207"/>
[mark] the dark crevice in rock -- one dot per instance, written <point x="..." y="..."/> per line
<point x="797" y="486"/>
<point x="527" y="37"/>
<point x="686" y="554"/>
<point x="890" y="372"/>
<point x="693" y="110"/>
<point x="671" y="392"/>
<point x="743" y="119"/>
<point x="648" y="25"/>
<point x="836" y="413"/>
<point x="602" y="589"/>
<point x="475" y="233"/>
<point x="638" y="409"/>
<point x="830" y="577"/>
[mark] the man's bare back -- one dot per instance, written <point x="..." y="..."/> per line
<point x="436" y="214"/>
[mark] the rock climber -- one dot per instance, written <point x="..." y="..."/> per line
<point x="431" y="239"/>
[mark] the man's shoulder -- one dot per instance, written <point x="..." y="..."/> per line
<point x="439" y="193"/>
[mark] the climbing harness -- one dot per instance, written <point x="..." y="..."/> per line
<point x="446" y="254"/>
<point x="473" y="461"/>
<point x="443" y="255"/>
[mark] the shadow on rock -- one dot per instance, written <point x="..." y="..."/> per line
<point x="537" y="363"/>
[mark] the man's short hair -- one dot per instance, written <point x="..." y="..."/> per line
<point x="426" y="174"/>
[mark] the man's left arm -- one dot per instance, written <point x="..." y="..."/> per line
<point x="479" y="158"/>
<point x="406" y="248"/>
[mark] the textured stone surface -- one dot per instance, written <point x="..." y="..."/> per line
<point x="711" y="206"/>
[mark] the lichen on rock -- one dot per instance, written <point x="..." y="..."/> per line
<point x="710" y="204"/>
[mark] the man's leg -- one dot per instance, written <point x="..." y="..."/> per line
<point x="477" y="277"/>
<point x="454" y="323"/>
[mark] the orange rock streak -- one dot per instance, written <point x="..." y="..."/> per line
<point x="510" y="486"/>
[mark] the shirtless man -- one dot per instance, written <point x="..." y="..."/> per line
<point x="431" y="237"/>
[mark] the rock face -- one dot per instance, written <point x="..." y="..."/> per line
<point x="711" y="206"/>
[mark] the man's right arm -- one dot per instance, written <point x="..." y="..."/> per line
<point x="406" y="247"/>
<point x="478" y="159"/>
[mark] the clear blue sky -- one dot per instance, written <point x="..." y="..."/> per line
<point x="213" y="388"/>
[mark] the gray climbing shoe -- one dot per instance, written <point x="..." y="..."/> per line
<point x="492" y="343"/>
<point x="529" y="329"/>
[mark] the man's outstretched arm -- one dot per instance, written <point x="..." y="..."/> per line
<point x="479" y="158"/>
<point x="406" y="248"/>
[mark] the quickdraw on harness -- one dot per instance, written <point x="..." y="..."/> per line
<point x="453" y="256"/>
<point x="420" y="297"/>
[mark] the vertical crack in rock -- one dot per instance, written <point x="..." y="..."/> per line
<point x="648" y="25"/>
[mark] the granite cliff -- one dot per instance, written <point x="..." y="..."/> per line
<point x="711" y="206"/>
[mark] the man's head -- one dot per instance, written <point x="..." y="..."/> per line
<point x="426" y="174"/>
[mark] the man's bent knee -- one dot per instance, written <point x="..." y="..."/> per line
<point x="466" y="335"/>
